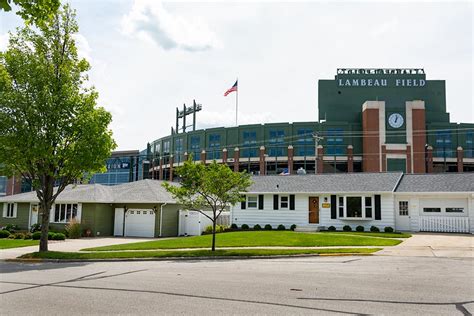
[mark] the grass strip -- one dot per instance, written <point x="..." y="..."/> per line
<point x="255" y="239"/>
<point x="193" y="253"/>
<point x="17" y="243"/>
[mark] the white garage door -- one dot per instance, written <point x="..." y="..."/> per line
<point x="447" y="215"/>
<point x="140" y="223"/>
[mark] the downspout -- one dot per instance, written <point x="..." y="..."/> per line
<point x="161" y="217"/>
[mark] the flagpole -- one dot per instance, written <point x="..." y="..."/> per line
<point x="237" y="103"/>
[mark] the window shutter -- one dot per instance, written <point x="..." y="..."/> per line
<point x="333" y="207"/>
<point x="378" y="212"/>
<point x="5" y="205"/>
<point x="15" y="208"/>
<point x="275" y="201"/>
<point x="260" y="201"/>
<point x="292" y="201"/>
<point x="243" y="203"/>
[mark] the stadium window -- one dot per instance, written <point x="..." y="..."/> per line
<point x="178" y="145"/>
<point x="196" y="147"/>
<point x="305" y="143"/>
<point x="249" y="144"/>
<point x="443" y="144"/>
<point x="214" y="147"/>
<point x="276" y="143"/>
<point x="335" y="141"/>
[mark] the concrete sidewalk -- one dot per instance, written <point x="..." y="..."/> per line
<point x="71" y="245"/>
<point x="433" y="245"/>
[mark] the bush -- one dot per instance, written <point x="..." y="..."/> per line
<point x="347" y="228"/>
<point x="388" y="229"/>
<point x="332" y="228"/>
<point x="268" y="227"/>
<point x="51" y="235"/>
<point x="281" y="227"/>
<point x="27" y="236"/>
<point x="17" y="236"/>
<point x="360" y="228"/>
<point x="257" y="227"/>
<point x="208" y="229"/>
<point x="293" y="227"/>
<point x="374" y="229"/>
<point x="59" y="236"/>
<point x="4" y="233"/>
<point x="35" y="228"/>
<point x="36" y="235"/>
<point x="11" y="228"/>
<point x="244" y="227"/>
<point x="74" y="229"/>
<point x="234" y="226"/>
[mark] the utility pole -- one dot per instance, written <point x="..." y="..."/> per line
<point x="317" y="138"/>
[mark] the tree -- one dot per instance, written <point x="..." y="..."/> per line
<point x="51" y="131"/>
<point x="214" y="187"/>
<point x="35" y="11"/>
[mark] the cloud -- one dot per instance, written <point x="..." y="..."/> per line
<point x="4" y="41"/>
<point x="150" y="21"/>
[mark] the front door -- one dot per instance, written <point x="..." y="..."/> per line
<point x="313" y="210"/>
<point x="402" y="215"/>
<point x="34" y="214"/>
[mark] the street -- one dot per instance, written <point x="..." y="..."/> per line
<point x="316" y="285"/>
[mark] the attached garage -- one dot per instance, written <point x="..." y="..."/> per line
<point x="134" y="222"/>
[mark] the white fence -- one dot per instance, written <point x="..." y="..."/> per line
<point x="193" y="223"/>
<point x="445" y="224"/>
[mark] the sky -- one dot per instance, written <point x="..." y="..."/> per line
<point x="149" y="57"/>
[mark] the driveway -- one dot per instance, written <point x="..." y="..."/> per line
<point x="433" y="245"/>
<point x="71" y="245"/>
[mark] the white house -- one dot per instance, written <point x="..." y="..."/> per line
<point x="403" y="202"/>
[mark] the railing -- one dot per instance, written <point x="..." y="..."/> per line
<point x="444" y="224"/>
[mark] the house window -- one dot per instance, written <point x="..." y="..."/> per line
<point x="284" y="201"/>
<point x="354" y="206"/>
<point x="454" y="210"/>
<point x="368" y="206"/>
<point x="252" y="201"/>
<point x="432" y="210"/>
<point x="64" y="213"/>
<point x="10" y="209"/>
<point x="341" y="206"/>
<point x="403" y="208"/>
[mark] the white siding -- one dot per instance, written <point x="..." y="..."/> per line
<point x="471" y="212"/>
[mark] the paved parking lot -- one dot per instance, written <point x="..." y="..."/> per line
<point x="379" y="285"/>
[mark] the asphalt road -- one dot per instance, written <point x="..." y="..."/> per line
<point x="317" y="285"/>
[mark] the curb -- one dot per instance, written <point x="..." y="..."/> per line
<point x="39" y="260"/>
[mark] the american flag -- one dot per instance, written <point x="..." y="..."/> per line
<point x="232" y="89"/>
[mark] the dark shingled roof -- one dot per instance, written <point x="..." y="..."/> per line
<point x="437" y="182"/>
<point x="326" y="183"/>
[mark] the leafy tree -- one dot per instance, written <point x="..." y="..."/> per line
<point x="214" y="187"/>
<point x="51" y="131"/>
<point x="35" y="11"/>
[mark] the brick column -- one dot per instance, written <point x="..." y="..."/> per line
<point x="409" y="167"/>
<point x="429" y="159"/>
<point x="236" y="159"/>
<point x="290" y="159"/>
<point x="203" y="156"/>
<point x="185" y="156"/>
<point x="419" y="139"/>
<point x="262" y="161"/>
<point x="319" y="159"/>
<point x="224" y="155"/>
<point x="171" y="168"/>
<point x="350" y="158"/>
<point x="460" y="156"/>
<point x="384" y="159"/>
<point x="160" y="174"/>
<point x="371" y="139"/>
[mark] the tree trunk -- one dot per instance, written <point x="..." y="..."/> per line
<point x="44" y="209"/>
<point x="214" y="233"/>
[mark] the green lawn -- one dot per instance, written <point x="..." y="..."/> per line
<point x="371" y="234"/>
<point x="256" y="239"/>
<point x="192" y="253"/>
<point x="15" y="243"/>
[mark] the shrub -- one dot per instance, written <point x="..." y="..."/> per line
<point x="268" y="227"/>
<point x="374" y="229"/>
<point x="51" y="235"/>
<point x="347" y="228"/>
<point x="293" y="227"/>
<point x="234" y="226"/>
<point x="208" y="229"/>
<point x="36" y="235"/>
<point x="74" y="229"/>
<point x="360" y="228"/>
<point x="257" y="227"/>
<point x="27" y="236"/>
<point x="4" y="233"/>
<point x="281" y="227"/>
<point x="332" y="228"/>
<point x="11" y="228"/>
<point x="18" y="236"/>
<point x="388" y="229"/>
<point x="35" y="228"/>
<point x="244" y="227"/>
<point x="59" y="236"/>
